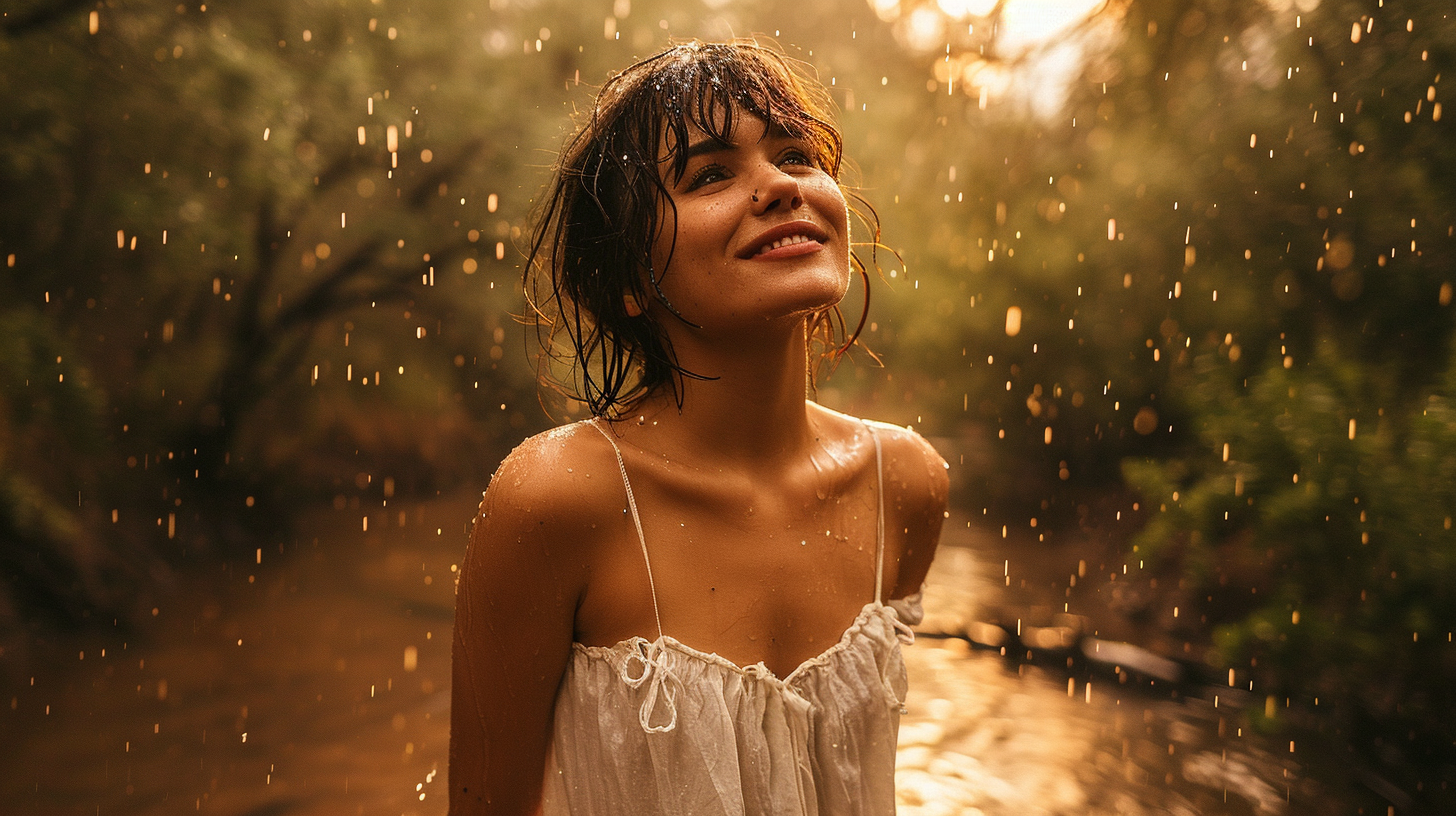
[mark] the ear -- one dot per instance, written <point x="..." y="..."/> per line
<point x="634" y="309"/>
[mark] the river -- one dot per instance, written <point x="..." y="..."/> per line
<point x="314" y="679"/>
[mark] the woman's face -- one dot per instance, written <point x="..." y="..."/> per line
<point x="762" y="232"/>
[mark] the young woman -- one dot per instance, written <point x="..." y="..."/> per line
<point x="693" y="602"/>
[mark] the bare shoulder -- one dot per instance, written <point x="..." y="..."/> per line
<point x="912" y="462"/>
<point x="920" y="481"/>
<point x="551" y="495"/>
<point x="562" y="471"/>
<point x="917" y="488"/>
<point x="915" y="472"/>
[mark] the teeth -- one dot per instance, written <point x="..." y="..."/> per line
<point x="783" y="242"/>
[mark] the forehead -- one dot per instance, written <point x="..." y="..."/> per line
<point x="721" y="129"/>
<point x="710" y="93"/>
<point x="726" y="131"/>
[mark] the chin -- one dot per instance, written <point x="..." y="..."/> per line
<point x="816" y="298"/>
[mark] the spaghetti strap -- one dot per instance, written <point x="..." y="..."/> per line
<point x="879" y="514"/>
<point x="907" y="609"/>
<point x="648" y="664"/>
<point x="636" y="519"/>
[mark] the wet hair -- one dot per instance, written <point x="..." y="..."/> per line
<point x="595" y="227"/>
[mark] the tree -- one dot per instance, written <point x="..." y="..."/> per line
<point x="221" y="225"/>
<point x="1227" y="265"/>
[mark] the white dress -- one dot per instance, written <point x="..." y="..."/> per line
<point x="658" y="727"/>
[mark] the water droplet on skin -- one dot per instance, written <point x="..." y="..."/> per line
<point x="819" y="490"/>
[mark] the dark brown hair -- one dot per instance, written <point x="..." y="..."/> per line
<point x="592" y="241"/>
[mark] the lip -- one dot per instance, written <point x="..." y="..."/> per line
<point x="817" y="237"/>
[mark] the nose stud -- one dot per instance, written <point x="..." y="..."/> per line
<point x="755" y="196"/>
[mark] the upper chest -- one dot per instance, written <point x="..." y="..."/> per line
<point x="754" y="572"/>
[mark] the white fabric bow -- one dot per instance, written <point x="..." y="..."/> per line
<point x="650" y="659"/>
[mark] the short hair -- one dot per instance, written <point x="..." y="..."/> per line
<point x="591" y="244"/>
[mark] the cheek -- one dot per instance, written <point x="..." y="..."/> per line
<point x="834" y="207"/>
<point x="697" y="235"/>
<point x="836" y="212"/>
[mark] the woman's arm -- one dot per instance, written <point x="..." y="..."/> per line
<point x="515" y="603"/>
<point x="918" y="483"/>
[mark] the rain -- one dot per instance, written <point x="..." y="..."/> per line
<point x="1168" y="284"/>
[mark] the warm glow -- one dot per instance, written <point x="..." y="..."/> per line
<point x="1030" y="23"/>
<point x="1026" y="50"/>
<point x="966" y="8"/>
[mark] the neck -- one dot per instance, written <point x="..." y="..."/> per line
<point x="753" y="411"/>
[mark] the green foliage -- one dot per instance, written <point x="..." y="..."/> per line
<point x="1238" y="231"/>
<point x="1325" y="541"/>
<point x="1322" y="549"/>
<point x="46" y="439"/>
<point x="1147" y="222"/>
<point x="1305" y="332"/>
<point x="266" y="247"/>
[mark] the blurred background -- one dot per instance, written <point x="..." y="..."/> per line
<point x="1174" y="298"/>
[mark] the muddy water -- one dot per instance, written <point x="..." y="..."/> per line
<point x="316" y="682"/>
<point x="992" y="733"/>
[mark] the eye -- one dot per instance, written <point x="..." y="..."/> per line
<point x="799" y="156"/>
<point x="709" y="174"/>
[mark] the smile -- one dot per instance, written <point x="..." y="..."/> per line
<point x="789" y="240"/>
<point x="794" y="238"/>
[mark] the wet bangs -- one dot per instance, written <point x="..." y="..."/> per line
<point x="708" y="86"/>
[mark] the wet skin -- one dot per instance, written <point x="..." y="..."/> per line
<point x="758" y="506"/>
<point x="737" y="262"/>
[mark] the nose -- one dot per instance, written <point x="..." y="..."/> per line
<point x="777" y="190"/>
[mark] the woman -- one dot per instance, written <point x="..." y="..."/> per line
<point x="692" y="603"/>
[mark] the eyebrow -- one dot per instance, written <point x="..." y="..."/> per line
<point x="705" y="146"/>
<point x="711" y="144"/>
